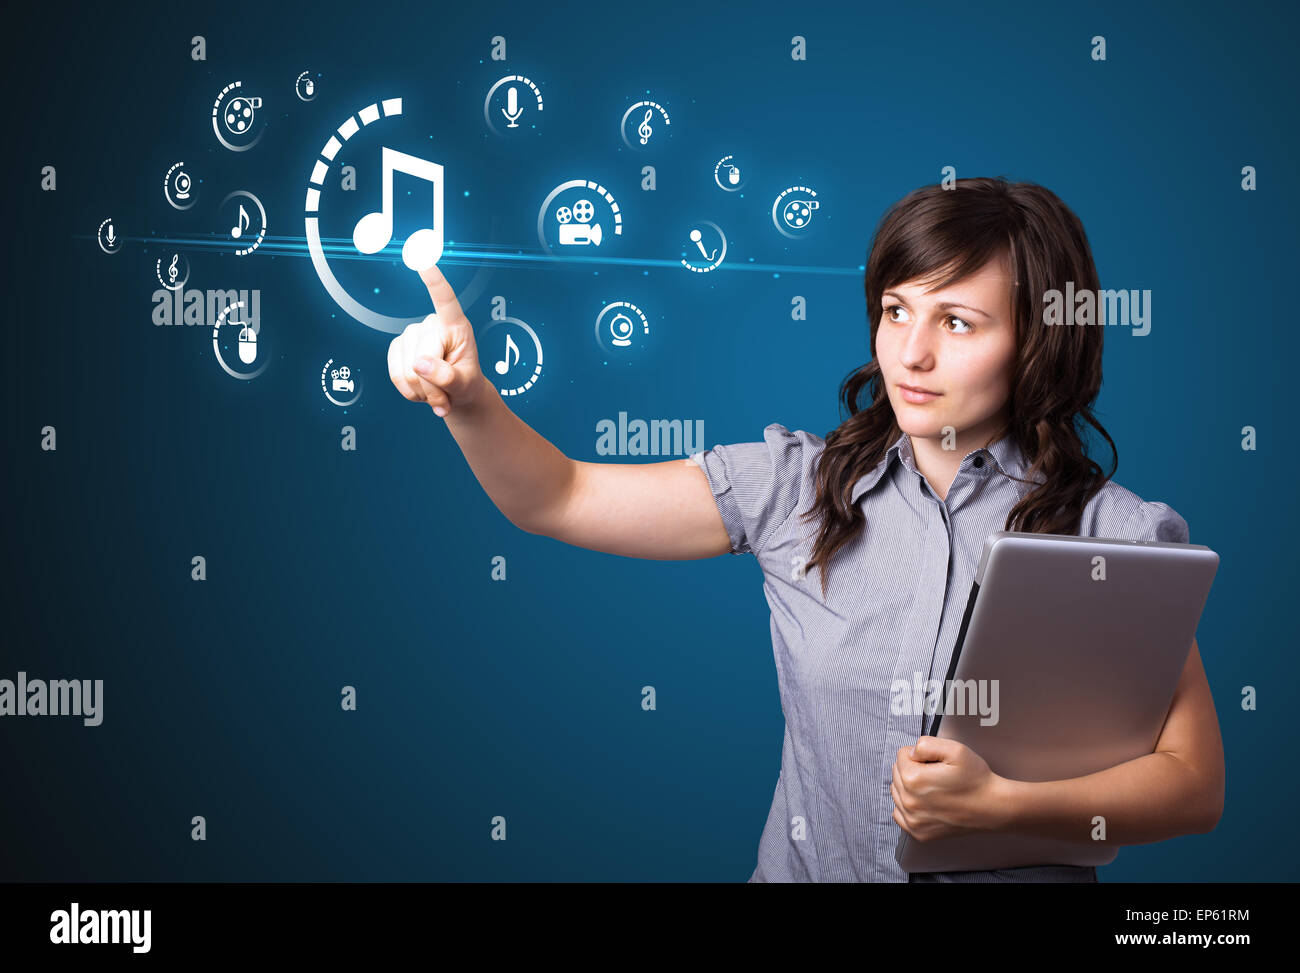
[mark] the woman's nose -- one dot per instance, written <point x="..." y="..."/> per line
<point x="917" y="348"/>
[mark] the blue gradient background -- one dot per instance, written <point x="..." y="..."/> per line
<point x="372" y="568"/>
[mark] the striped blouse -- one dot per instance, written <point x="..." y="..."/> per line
<point x="895" y="598"/>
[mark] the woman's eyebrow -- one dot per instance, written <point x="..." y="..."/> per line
<point x="946" y="305"/>
<point x="943" y="305"/>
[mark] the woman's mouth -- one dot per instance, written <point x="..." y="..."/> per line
<point x="917" y="396"/>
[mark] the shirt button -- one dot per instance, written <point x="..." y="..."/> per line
<point x="979" y="462"/>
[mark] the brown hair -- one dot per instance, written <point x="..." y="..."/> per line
<point x="950" y="234"/>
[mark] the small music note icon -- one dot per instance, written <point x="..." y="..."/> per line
<point x="644" y="129"/>
<point x="502" y="367"/>
<point x="374" y="231"/>
<point x="238" y="229"/>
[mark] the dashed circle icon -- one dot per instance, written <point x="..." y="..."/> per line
<point x="795" y="206"/>
<point x="579" y="223"/>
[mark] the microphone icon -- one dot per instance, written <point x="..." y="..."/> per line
<point x="512" y="111"/>
<point x="109" y="235"/>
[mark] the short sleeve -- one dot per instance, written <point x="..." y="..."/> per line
<point x="1155" y="521"/>
<point x="755" y="485"/>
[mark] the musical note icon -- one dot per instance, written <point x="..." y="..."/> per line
<point x="238" y="229"/>
<point x="374" y="231"/>
<point x="502" y="367"/>
<point x="644" y="129"/>
<point x="171" y="268"/>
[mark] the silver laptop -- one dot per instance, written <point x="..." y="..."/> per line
<point x="1086" y="639"/>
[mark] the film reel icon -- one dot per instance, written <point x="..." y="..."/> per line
<point x="796" y="206"/>
<point x="235" y="111"/>
<point x="239" y="114"/>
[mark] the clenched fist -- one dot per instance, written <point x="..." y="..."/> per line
<point x="436" y="360"/>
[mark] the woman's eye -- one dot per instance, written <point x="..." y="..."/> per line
<point x="959" y="326"/>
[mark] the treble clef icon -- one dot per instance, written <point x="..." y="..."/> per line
<point x="644" y="129"/>
<point x="171" y="268"/>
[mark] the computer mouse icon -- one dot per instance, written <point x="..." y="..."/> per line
<point x="247" y="345"/>
<point x="733" y="176"/>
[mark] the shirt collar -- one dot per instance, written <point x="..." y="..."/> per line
<point x="872" y="477"/>
<point x="1004" y="454"/>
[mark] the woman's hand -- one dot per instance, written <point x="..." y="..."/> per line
<point x="943" y="788"/>
<point x="436" y="360"/>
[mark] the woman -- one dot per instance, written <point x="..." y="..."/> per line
<point x="869" y="540"/>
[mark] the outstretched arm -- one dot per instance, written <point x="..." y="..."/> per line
<point x="664" y="511"/>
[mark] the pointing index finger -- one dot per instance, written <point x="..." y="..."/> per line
<point x="444" y="298"/>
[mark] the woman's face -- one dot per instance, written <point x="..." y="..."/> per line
<point x="957" y="344"/>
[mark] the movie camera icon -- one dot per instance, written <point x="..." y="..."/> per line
<point x="341" y="380"/>
<point x="583" y="231"/>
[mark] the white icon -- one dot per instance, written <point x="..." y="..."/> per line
<point x="574" y="228"/>
<point x="177" y="272"/>
<point x="386" y="114"/>
<point x="247" y="344"/>
<point x="239" y="113"/>
<point x="233" y="113"/>
<point x="342" y="380"/>
<point x="374" y="231"/>
<point x="178" y="187"/>
<point x="304" y="87"/>
<point x="637" y="118"/>
<point x="616" y="325"/>
<point x="620" y="330"/>
<point x="517" y="95"/>
<point x="242" y="230"/>
<point x="505" y="364"/>
<point x="107" y="238"/>
<point x="583" y="231"/>
<point x="520" y="379"/>
<point x="727" y="174"/>
<point x="798" y="212"/>
<point x="512" y="111"/>
<point x="711" y="260"/>
<point x="796" y="205"/>
<point x="696" y="238"/>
